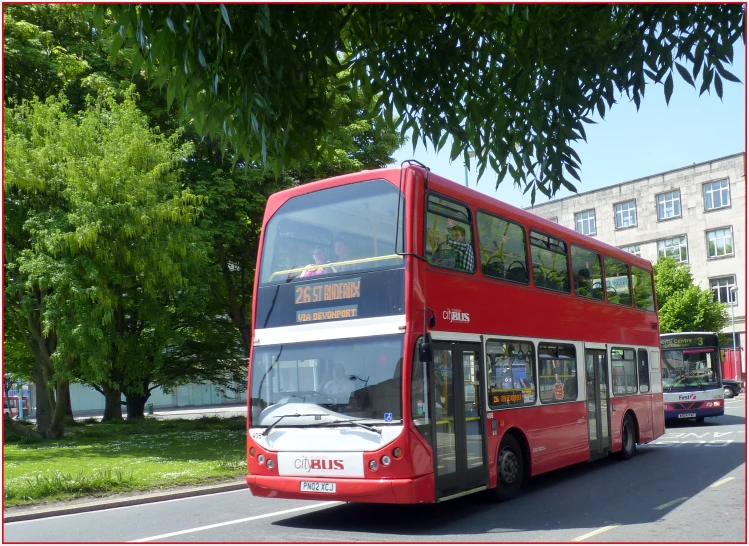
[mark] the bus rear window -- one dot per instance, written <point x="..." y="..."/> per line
<point x="332" y="232"/>
<point x="642" y="283"/>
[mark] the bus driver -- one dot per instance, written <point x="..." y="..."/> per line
<point x="339" y="387"/>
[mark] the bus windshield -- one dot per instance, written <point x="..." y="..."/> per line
<point x="686" y="368"/>
<point x="333" y="231"/>
<point x="314" y="383"/>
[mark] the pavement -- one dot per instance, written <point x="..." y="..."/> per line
<point x="89" y="504"/>
<point x="181" y="412"/>
<point x="23" y="513"/>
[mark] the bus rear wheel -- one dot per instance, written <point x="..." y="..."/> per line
<point x="629" y="443"/>
<point x="510" y="469"/>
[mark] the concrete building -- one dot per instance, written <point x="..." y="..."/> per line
<point x="696" y="214"/>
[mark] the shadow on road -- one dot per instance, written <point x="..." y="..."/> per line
<point x="709" y="422"/>
<point x="588" y="495"/>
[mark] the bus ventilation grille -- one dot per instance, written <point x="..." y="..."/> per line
<point x="688" y="405"/>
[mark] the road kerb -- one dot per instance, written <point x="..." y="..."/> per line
<point x="145" y="498"/>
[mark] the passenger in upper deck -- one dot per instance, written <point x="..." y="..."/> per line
<point x="320" y="259"/>
<point x="343" y="254"/>
<point x="464" y="259"/>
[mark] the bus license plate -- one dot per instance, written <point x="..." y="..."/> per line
<point x="319" y="487"/>
<point x="687" y="415"/>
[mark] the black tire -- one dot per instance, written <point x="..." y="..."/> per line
<point x="728" y="392"/>
<point x="629" y="438"/>
<point x="510" y="469"/>
<point x="699" y="420"/>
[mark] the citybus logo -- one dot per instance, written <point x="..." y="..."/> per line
<point x="455" y="315"/>
<point x="307" y="464"/>
<point x="687" y="397"/>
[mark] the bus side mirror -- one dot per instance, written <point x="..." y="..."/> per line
<point x="425" y="351"/>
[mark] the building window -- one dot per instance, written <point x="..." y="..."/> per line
<point x="585" y="222"/>
<point x="721" y="287"/>
<point x="669" y="205"/>
<point x="674" y="248"/>
<point x="720" y="243"/>
<point x="625" y="214"/>
<point x="554" y="219"/>
<point x="716" y="195"/>
<point x="633" y="249"/>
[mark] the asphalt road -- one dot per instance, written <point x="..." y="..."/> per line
<point x="688" y="486"/>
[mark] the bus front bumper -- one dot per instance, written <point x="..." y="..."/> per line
<point x="385" y="490"/>
<point x="692" y="413"/>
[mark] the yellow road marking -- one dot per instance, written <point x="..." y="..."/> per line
<point x="721" y="482"/>
<point x="677" y="501"/>
<point x="594" y="533"/>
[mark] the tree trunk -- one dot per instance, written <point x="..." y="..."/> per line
<point x="18" y="428"/>
<point x="136" y="401"/>
<point x="45" y="400"/>
<point x="136" y="404"/>
<point x="57" y="426"/>
<point x="112" y="404"/>
<point x="69" y="404"/>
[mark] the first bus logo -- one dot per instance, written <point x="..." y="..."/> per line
<point x="455" y="315"/>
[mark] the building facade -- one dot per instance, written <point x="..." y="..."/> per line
<point x="696" y="214"/>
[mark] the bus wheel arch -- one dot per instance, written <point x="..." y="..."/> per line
<point x="513" y="465"/>
<point x="630" y="435"/>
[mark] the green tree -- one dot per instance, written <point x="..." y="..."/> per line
<point x="116" y="246"/>
<point x="516" y="83"/>
<point x="682" y="305"/>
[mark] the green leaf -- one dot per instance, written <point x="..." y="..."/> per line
<point x="684" y="73"/>
<point x="718" y="86"/>
<point x="117" y="41"/>
<point x="601" y="107"/>
<point x="707" y="79"/>
<point x="725" y="73"/>
<point x="225" y="15"/>
<point x="668" y="87"/>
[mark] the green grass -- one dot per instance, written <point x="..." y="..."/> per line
<point x="100" y="458"/>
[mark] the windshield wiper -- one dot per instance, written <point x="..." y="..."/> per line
<point x="351" y="422"/>
<point x="270" y="427"/>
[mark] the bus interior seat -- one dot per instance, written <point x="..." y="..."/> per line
<point x="494" y="269"/>
<point x="570" y="386"/>
<point x="517" y="274"/>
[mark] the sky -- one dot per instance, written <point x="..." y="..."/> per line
<point x="630" y="144"/>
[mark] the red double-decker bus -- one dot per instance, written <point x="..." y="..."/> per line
<point x="415" y="340"/>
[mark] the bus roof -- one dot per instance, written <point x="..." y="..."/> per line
<point x="472" y="197"/>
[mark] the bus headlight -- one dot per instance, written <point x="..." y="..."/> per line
<point x="385" y="460"/>
<point x="260" y="458"/>
<point x="269" y="464"/>
<point x="373" y="465"/>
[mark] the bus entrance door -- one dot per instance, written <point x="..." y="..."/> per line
<point x="458" y="433"/>
<point x="597" y="396"/>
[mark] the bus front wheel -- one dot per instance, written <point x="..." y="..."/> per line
<point x="629" y="441"/>
<point x="510" y="469"/>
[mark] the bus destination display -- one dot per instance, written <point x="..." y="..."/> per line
<point x="324" y="292"/>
